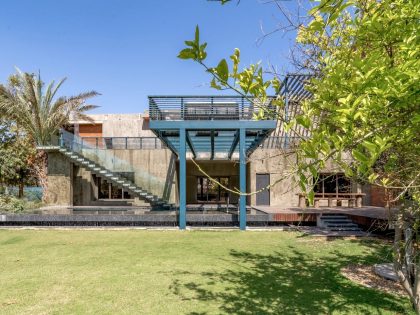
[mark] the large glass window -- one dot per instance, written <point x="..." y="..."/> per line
<point x="208" y="191"/>
<point x="332" y="183"/>
<point x="108" y="191"/>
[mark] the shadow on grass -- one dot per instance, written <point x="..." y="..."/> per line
<point x="290" y="282"/>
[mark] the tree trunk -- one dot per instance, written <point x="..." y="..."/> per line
<point x="20" y="194"/>
<point x="40" y="170"/>
<point x="406" y="256"/>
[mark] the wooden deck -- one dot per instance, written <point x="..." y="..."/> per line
<point x="370" y="218"/>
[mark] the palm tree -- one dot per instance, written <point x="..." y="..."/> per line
<point x="39" y="113"/>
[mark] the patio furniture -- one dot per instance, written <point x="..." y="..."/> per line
<point x="354" y="199"/>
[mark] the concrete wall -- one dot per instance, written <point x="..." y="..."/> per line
<point x="213" y="169"/>
<point x="60" y="180"/>
<point x="284" y="189"/>
<point x="85" y="190"/>
<point x="122" y="125"/>
<point x="154" y="170"/>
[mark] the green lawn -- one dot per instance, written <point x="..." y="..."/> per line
<point x="192" y="272"/>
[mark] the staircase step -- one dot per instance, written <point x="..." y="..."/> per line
<point x="349" y="225"/>
<point x="345" y="229"/>
<point x="337" y="221"/>
<point x="327" y="217"/>
<point x="125" y="184"/>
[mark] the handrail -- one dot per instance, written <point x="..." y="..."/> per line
<point x="112" y="160"/>
<point x="124" y="143"/>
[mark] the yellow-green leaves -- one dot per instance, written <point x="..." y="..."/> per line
<point x="222" y="70"/>
<point x="235" y="61"/>
<point x="195" y="50"/>
<point x="360" y="156"/>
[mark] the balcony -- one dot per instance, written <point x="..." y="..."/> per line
<point x="176" y="108"/>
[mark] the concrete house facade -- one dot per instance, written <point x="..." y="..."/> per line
<point x="166" y="159"/>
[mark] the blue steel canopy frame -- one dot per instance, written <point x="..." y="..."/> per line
<point x="216" y="126"/>
<point x="247" y="135"/>
<point x="223" y="124"/>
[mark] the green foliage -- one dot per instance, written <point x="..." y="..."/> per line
<point x="365" y="97"/>
<point x="11" y="204"/>
<point x="36" y="109"/>
<point x="365" y="92"/>
<point x="196" y="51"/>
<point x="250" y="81"/>
<point x="16" y="156"/>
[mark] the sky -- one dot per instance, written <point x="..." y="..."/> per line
<point x="127" y="50"/>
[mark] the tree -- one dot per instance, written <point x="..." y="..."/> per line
<point x="16" y="157"/>
<point x="39" y="113"/>
<point x="364" y="56"/>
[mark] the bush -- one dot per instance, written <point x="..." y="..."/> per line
<point x="10" y="203"/>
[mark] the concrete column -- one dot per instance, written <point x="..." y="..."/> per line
<point x="60" y="180"/>
<point x="182" y="180"/>
<point x="242" y="179"/>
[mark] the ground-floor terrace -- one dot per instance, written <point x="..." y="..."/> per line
<point x="209" y="157"/>
<point x="369" y="219"/>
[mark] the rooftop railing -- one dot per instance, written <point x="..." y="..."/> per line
<point x="205" y="107"/>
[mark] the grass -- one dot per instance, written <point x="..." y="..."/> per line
<point x="193" y="272"/>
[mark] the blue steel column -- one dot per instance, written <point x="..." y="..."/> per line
<point x="182" y="179"/>
<point x="242" y="179"/>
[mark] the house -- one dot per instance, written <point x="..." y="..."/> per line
<point x="188" y="150"/>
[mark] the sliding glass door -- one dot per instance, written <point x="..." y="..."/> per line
<point x="209" y="191"/>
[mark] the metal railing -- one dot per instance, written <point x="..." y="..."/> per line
<point x="123" y="143"/>
<point x="205" y="107"/>
<point x="113" y="160"/>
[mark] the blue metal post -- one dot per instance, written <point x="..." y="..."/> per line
<point x="242" y="179"/>
<point x="182" y="180"/>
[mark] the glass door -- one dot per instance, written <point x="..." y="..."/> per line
<point x="208" y="191"/>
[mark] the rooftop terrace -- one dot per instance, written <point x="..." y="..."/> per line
<point x="206" y="107"/>
<point x="212" y="123"/>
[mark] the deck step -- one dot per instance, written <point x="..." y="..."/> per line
<point x="337" y="222"/>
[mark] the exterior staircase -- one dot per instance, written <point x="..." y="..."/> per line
<point x="121" y="182"/>
<point x="337" y="222"/>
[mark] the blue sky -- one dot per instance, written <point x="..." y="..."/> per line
<point x="127" y="50"/>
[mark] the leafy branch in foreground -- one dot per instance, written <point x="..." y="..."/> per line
<point x="364" y="113"/>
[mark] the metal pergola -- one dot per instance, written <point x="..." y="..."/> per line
<point x="209" y="128"/>
<point x="220" y="128"/>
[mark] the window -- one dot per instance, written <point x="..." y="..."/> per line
<point x="108" y="191"/>
<point x="332" y="183"/>
<point x="208" y="191"/>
